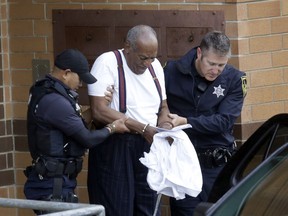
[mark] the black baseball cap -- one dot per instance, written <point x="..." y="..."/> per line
<point x="74" y="60"/>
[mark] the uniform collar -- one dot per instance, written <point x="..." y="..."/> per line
<point x="74" y="94"/>
<point x="57" y="80"/>
<point x="186" y="63"/>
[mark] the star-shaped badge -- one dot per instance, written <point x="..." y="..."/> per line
<point x="218" y="91"/>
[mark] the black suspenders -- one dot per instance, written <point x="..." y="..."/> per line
<point x="122" y="83"/>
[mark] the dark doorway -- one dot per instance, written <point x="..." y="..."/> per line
<point x="96" y="31"/>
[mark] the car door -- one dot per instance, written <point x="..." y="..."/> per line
<point x="264" y="191"/>
<point x="259" y="146"/>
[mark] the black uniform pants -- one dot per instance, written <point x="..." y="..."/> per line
<point x="185" y="207"/>
<point x="117" y="179"/>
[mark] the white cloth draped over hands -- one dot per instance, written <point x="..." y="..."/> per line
<point x="174" y="169"/>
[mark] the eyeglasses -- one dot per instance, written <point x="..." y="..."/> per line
<point x="146" y="58"/>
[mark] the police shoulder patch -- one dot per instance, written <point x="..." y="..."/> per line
<point x="244" y="85"/>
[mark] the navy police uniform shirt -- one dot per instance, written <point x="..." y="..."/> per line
<point x="55" y="113"/>
<point x="210" y="107"/>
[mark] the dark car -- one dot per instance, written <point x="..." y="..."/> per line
<point x="263" y="192"/>
<point x="270" y="137"/>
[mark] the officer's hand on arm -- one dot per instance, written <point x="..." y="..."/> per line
<point x="177" y="120"/>
<point x="101" y="111"/>
<point x="166" y="125"/>
<point x="118" y="126"/>
<point x="109" y="93"/>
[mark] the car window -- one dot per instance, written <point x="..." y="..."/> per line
<point x="263" y="192"/>
<point x="270" y="197"/>
<point x="272" y="140"/>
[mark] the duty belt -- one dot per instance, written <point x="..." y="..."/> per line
<point x="210" y="158"/>
<point x="51" y="167"/>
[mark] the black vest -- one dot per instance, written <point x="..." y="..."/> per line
<point x="42" y="139"/>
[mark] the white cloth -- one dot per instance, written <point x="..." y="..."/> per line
<point x="142" y="98"/>
<point x="174" y="170"/>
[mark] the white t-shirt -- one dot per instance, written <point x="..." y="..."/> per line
<point x="142" y="97"/>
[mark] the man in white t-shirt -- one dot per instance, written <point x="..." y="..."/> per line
<point x="116" y="178"/>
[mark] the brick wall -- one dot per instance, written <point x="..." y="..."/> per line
<point x="258" y="31"/>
